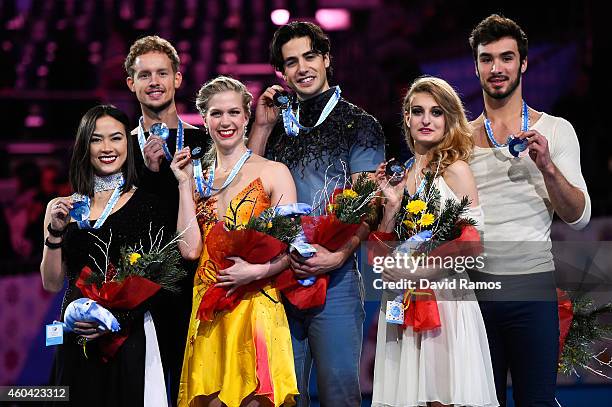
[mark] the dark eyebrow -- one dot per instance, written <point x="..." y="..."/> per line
<point x="111" y="135"/>
<point x="309" y="53"/>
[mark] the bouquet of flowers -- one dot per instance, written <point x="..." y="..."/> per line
<point x="346" y="209"/>
<point x="580" y="328"/>
<point x="137" y="276"/>
<point x="427" y="229"/>
<point x="260" y="240"/>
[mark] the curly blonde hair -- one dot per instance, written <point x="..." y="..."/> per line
<point x="151" y="43"/>
<point x="457" y="143"/>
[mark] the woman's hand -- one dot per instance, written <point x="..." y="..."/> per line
<point x="239" y="274"/>
<point x="182" y="166"/>
<point x="393" y="192"/>
<point x="89" y="330"/>
<point x="60" y="213"/>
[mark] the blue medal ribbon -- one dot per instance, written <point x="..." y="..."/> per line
<point x="81" y="209"/>
<point x="161" y="129"/>
<point x="515" y="145"/>
<point x="291" y="121"/>
<point x="408" y="164"/>
<point x="211" y="177"/>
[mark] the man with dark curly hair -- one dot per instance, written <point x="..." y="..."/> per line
<point x="334" y="139"/>
<point x="527" y="166"/>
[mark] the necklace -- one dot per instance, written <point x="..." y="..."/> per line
<point x="81" y="204"/>
<point x="211" y="177"/>
<point x="489" y="129"/>
<point x="291" y="121"/>
<point x="107" y="182"/>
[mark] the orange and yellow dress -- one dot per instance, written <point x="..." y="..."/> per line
<point x="243" y="351"/>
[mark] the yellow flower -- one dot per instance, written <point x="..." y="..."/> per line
<point x="349" y="193"/>
<point x="416" y="206"/>
<point x="409" y="224"/>
<point x="330" y="208"/>
<point x="426" y="219"/>
<point x="134" y="258"/>
<point x="269" y="225"/>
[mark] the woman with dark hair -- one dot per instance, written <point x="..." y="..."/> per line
<point x="115" y="215"/>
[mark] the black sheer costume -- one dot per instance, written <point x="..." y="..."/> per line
<point x="120" y="381"/>
<point x="346" y="126"/>
<point x="174" y="317"/>
<point x="163" y="183"/>
<point x="349" y="141"/>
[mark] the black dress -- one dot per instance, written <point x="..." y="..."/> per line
<point x="120" y="381"/>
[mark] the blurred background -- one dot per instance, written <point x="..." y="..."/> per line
<point x="58" y="58"/>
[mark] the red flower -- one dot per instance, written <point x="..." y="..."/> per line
<point x="326" y="231"/>
<point x="252" y="246"/>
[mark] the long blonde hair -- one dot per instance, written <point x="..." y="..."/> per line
<point x="457" y="143"/>
<point x="210" y="89"/>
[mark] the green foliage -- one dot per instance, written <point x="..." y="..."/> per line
<point x="354" y="205"/>
<point x="283" y="228"/>
<point x="160" y="265"/>
<point x="586" y="329"/>
<point x="447" y="223"/>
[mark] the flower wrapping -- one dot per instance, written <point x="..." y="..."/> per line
<point x="327" y="231"/>
<point x="420" y="306"/>
<point x="421" y="312"/>
<point x="126" y="294"/>
<point x="566" y="315"/>
<point x="252" y="246"/>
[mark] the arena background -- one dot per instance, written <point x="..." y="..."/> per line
<point x="58" y="58"/>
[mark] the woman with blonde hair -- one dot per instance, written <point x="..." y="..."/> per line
<point x="241" y="357"/>
<point x="448" y="365"/>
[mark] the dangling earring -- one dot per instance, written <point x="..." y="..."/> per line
<point x="244" y="134"/>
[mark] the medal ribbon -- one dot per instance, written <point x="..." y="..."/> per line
<point x="198" y="176"/>
<point x="84" y="224"/>
<point x="292" y="122"/>
<point x="524" y="125"/>
<point x="180" y="138"/>
<point x="211" y="178"/>
<point x="408" y="164"/>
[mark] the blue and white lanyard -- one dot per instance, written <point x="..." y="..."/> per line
<point x="211" y="177"/>
<point x="408" y="165"/>
<point x="524" y="126"/>
<point x="180" y="138"/>
<point x="292" y="122"/>
<point x="84" y="224"/>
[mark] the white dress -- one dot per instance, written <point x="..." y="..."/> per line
<point x="450" y="364"/>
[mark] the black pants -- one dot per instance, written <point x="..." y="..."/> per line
<point x="524" y="338"/>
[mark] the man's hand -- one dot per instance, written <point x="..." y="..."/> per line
<point x="538" y="150"/>
<point x="266" y="112"/>
<point x="322" y="262"/>
<point x="153" y="153"/>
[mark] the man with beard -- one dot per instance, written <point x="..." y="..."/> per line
<point x="152" y="66"/>
<point x="522" y="180"/>
<point x="340" y="140"/>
